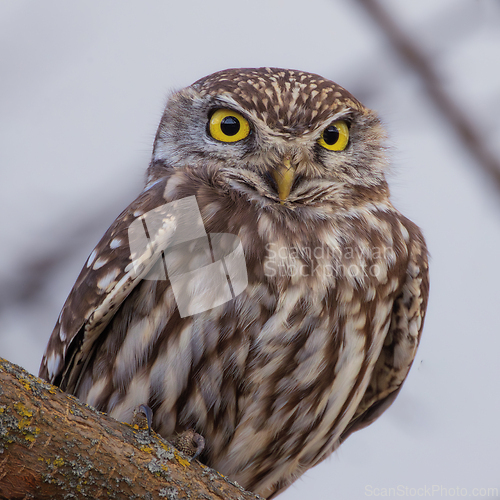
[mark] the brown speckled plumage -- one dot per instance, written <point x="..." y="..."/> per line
<point x="321" y="340"/>
<point x="290" y="102"/>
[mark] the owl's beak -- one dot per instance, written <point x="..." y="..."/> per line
<point x="284" y="176"/>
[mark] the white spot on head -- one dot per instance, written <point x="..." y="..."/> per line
<point x="138" y="212"/>
<point x="91" y="258"/>
<point x="100" y="262"/>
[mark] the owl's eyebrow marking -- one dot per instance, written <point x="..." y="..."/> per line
<point x="224" y="105"/>
<point x="220" y="103"/>
<point x="344" y="114"/>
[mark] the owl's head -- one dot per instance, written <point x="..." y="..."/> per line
<point x="276" y="135"/>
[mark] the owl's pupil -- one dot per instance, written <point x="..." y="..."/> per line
<point x="230" y="125"/>
<point x="331" y="135"/>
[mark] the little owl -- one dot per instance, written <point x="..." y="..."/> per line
<point x="318" y="342"/>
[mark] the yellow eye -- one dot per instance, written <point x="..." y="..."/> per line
<point x="335" y="137"/>
<point x="228" y="126"/>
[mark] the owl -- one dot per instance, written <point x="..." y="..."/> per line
<point x="317" y="337"/>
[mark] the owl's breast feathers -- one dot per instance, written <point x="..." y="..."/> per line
<point x="316" y="346"/>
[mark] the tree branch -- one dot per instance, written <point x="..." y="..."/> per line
<point x="452" y="112"/>
<point x="52" y="446"/>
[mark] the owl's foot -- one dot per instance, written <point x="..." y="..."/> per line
<point x="142" y="418"/>
<point x="190" y="443"/>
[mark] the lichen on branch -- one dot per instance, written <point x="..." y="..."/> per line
<point x="52" y="446"/>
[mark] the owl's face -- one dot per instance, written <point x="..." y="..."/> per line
<point x="279" y="136"/>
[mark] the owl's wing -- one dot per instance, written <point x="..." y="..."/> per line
<point x="402" y="339"/>
<point x="112" y="271"/>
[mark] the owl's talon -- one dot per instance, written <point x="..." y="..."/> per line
<point x="143" y="418"/>
<point x="199" y="440"/>
<point x="190" y="443"/>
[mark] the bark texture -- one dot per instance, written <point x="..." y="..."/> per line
<point x="52" y="446"/>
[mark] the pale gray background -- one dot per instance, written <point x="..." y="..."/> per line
<point x="82" y="87"/>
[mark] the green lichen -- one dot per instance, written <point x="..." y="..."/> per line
<point x="185" y="463"/>
<point x="22" y="410"/>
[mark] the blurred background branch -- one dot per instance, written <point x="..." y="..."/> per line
<point x="414" y="56"/>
